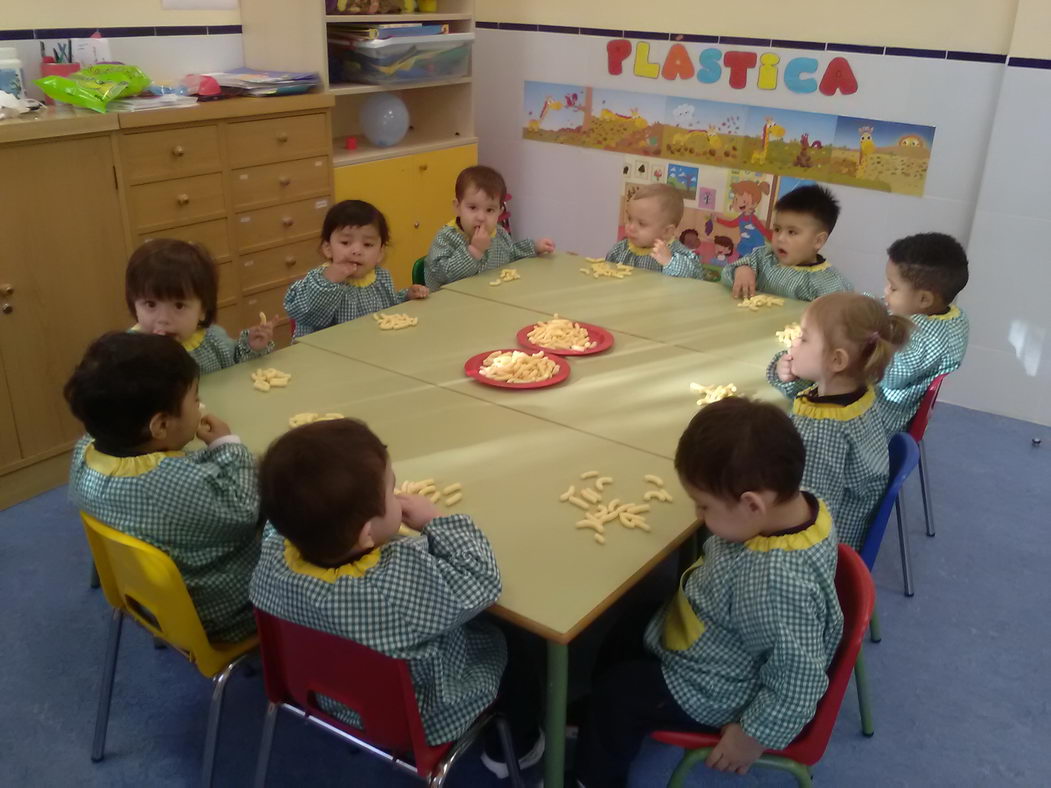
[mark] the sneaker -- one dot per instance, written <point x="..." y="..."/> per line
<point x="530" y="759"/>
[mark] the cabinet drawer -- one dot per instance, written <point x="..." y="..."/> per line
<point x="170" y="153"/>
<point x="278" y="265"/>
<point x="179" y="201"/>
<point x="276" y="139"/>
<point x="230" y="319"/>
<point x="294" y="221"/>
<point x="271" y="301"/>
<point x="287" y="180"/>
<point x="213" y="236"/>
<point x="227" y="282"/>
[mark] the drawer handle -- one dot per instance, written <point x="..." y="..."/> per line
<point x="288" y="221"/>
<point x="416" y="225"/>
<point x="6" y="289"/>
<point x="7" y="309"/>
<point x="183" y="199"/>
<point x="282" y="137"/>
<point x="423" y="168"/>
<point x="178" y="151"/>
<point x="284" y="180"/>
<point x="290" y="261"/>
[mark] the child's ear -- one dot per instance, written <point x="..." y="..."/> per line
<point x="326" y="250"/>
<point x="456" y="205"/>
<point x="669" y="232"/>
<point x="365" y="541"/>
<point x="159" y="425"/>
<point x="838" y="360"/>
<point x="753" y="502"/>
<point x="926" y="299"/>
<point x="820" y="239"/>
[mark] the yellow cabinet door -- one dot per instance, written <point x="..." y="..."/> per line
<point x="437" y="173"/>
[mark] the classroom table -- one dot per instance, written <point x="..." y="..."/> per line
<point x="513" y="467"/>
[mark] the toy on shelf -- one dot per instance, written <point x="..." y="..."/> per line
<point x="384" y="119"/>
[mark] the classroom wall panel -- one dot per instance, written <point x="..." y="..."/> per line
<point x="23" y="14"/>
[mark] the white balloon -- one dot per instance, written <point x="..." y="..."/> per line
<point x="384" y="119"/>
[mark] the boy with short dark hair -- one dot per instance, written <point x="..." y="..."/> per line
<point x="925" y="273"/>
<point x="472" y="241"/>
<point x="791" y="265"/>
<point x="136" y="395"/>
<point x="745" y="644"/>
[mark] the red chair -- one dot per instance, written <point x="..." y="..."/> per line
<point x="857" y="595"/>
<point x="917" y="429"/>
<point x="300" y="663"/>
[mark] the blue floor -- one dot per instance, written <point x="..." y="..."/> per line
<point x="961" y="682"/>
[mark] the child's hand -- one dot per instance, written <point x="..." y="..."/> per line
<point x="661" y="253"/>
<point x="417" y="511"/>
<point x="212" y="428"/>
<point x="544" y="246"/>
<point x="744" y="282"/>
<point x="340" y="272"/>
<point x="418" y="292"/>
<point x="260" y="337"/>
<point x="480" y="240"/>
<point x="784" y="369"/>
<point x="735" y="752"/>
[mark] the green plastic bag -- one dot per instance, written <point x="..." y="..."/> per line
<point x="95" y="86"/>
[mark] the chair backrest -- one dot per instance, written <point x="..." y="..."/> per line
<point x="146" y="584"/>
<point x="300" y="663"/>
<point x="292" y="327"/>
<point x="904" y="456"/>
<point x="918" y="425"/>
<point x="417" y="272"/>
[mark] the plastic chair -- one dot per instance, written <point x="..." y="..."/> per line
<point x="300" y="663"/>
<point x="856" y="597"/>
<point x="904" y="456"/>
<point x="142" y="582"/>
<point x="417" y="272"/>
<point x="917" y="429"/>
<point x="292" y="328"/>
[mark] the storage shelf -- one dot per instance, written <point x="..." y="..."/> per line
<point x="414" y="142"/>
<point x="354" y="88"/>
<point x="381" y="18"/>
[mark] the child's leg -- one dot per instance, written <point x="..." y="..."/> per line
<point x="629" y="702"/>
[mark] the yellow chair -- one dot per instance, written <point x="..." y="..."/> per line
<point x="142" y="582"/>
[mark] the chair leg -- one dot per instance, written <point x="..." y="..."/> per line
<point x="862" y="685"/>
<point x="903" y="544"/>
<point x="109" y="668"/>
<point x="925" y="490"/>
<point x="267" y="740"/>
<point x="691" y="758"/>
<point x="211" y="736"/>
<point x="875" y="635"/>
<point x="94" y="576"/>
<point x="510" y="758"/>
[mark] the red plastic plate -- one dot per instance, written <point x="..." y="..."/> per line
<point x="601" y="336"/>
<point x="474" y="363"/>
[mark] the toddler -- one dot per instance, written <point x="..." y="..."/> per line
<point x="653" y="213"/>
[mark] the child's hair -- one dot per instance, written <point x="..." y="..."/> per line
<point x="722" y="241"/>
<point x="485" y="179"/>
<point x="167" y="269"/>
<point x="668" y="198"/>
<point x="737" y="445"/>
<point x="123" y="381"/>
<point x="354" y="213"/>
<point x="815" y="201"/>
<point x="862" y="325"/>
<point x="931" y="261"/>
<point x="319" y="484"/>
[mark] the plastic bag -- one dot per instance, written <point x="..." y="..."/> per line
<point x="95" y="86"/>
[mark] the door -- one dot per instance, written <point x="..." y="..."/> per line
<point x="9" y="450"/>
<point x="63" y="255"/>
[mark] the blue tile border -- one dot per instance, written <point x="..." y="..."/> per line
<point x="600" y="31"/>
<point x="646" y="35"/>
<point x="857" y="49"/>
<point x="934" y="54"/>
<point x="123" y="32"/>
<point x="1029" y="62"/>
<point x="559" y="29"/>
<point x="16" y="35"/>
<point x="744" y="41"/>
<point x="183" y="30"/>
<point x="695" y="38"/>
<point x="790" y="44"/>
<point x="127" y="32"/>
<point x="977" y="57"/>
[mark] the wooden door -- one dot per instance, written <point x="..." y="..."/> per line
<point x="9" y="449"/>
<point x="62" y="253"/>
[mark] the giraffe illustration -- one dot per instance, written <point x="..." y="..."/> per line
<point x="770" y="131"/>
<point x="866" y="147"/>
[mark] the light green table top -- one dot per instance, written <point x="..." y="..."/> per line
<point x="513" y="468"/>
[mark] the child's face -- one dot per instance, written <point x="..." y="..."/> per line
<point x="797" y="238"/>
<point x="731" y="520"/>
<point x="808" y="352"/>
<point x="384" y="527"/>
<point x="477" y="209"/>
<point x="178" y="318"/>
<point x="902" y="298"/>
<point x="646" y="223"/>
<point x="358" y="248"/>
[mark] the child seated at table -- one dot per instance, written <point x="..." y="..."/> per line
<point x="333" y="560"/>
<point x="925" y="273"/>
<point x="136" y="395"/>
<point x="351" y="284"/>
<point x="652" y="214"/>
<point x="791" y="264"/>
<point x="745" y="643"/>
<point x="831" y="371"/>
<point x="171" y="288"/>
<point x="472" y="241"/>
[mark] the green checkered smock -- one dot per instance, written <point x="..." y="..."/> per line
<point x="200" y="508"/>
<point x="935" y="347"/>
<point x="751" y="632"/>
<point x="412" y="598"/>
<point x="684" y="263"/>
<point x="316" y="303"/>
<point x="213" y="349"/>
<point x="449" y="261"/>
<point x="802" y="282"/>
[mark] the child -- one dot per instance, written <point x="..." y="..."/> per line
<point x="472" y="242"/>
<point x="745" y="644"/>
<point x="171" y="288"/>
<point x="924" y="275"/>
<point x="791" y="265"/>
<point x="653" y="213"/>
<point x="351" y="284"/>
<point x="847" y="341"/>
<point x="336" y="563"/>
<point x="137" y="397"/>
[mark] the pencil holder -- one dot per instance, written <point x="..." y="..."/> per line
<point x="51" y="69"/>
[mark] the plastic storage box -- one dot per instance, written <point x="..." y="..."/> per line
<point x="406" y="59"/>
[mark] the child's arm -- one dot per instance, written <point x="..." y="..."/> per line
<point x="777" y="372"/>
<point x="255" y="342"/>
<point x="618" y="253"/>
<point x="313" y="300"/>
<point x="450" y="260"/>
<point x="917" y="361"/>
<point x="519" y="249"/>
<point x="822" y="283"/>
<point x="680" y="261"/>
<point x="744" y="285"/>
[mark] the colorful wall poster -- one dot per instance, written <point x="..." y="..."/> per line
<point x="871" y="154"/>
